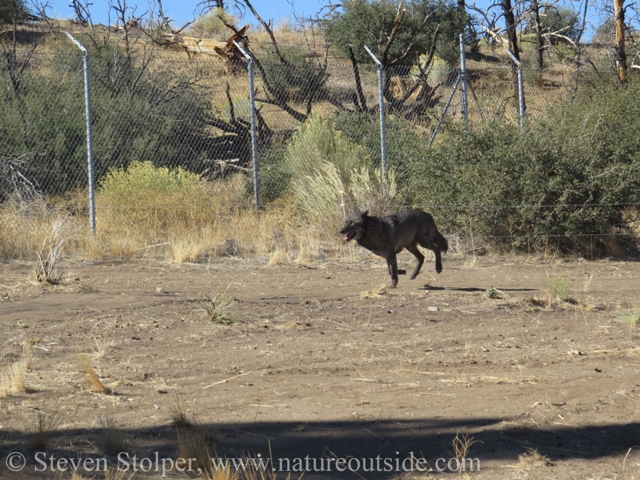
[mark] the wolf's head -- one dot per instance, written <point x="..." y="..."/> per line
<point x="355" y="226"/>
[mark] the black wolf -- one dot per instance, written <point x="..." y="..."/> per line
<point x="388" y="236"/>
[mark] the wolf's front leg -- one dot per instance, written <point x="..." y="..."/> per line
<point x="392" y="263"/>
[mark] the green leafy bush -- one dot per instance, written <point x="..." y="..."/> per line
<point x="331" y="176"/>
<point x="292" y="85"/>
<point x="568" y="177"/>
<point x="136" y="116"/>
<point x="142" y="194"/>
<point x="361" y="22"/>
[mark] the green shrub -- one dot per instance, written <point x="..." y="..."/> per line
<point x="318" y="142"/>
<point x="288" y="85"/>
<point x="211" y="24"/>
<point x="133" y="118"/>
<point x="156" y="196"/>
<point x="562" y="181"/>
<point x="361" y="22"/>
<point x="331" y="177"/>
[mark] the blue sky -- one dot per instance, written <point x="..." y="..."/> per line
<point x="182" y="11"/>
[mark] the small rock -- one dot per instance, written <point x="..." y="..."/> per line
<point x="432" y="309"/>
<point x="160" y="290"/>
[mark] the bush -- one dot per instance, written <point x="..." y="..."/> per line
<point x="404" y="141"/>
<point x="567" y="178"/>
<point x="287" y="85"/>
<point x="133" y="118"/>
<point x="144" y="195"/>
<point x="332" y="176"/>
<point x="354" y="25"/>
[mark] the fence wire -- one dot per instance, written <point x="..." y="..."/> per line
<point x="193" y="112"/>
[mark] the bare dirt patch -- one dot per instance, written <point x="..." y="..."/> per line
<point x="320" y="361"/>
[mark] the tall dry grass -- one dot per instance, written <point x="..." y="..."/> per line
<point x="166" y="215"/>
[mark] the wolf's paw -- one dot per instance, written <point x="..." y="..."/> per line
<point x="402" y="272"/>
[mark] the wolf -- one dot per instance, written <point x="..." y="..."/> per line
<point x="388" y="236"/>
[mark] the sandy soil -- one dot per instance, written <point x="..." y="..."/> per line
<point x="314" y="366"/>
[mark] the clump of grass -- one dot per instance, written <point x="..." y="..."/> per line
<point x="330" y="174"/>
<point x="218" y="305"/>
<point x="187" y="250"/>
<point x="278" y="256"/>
<point x="111" y="439"/>
<point x="491" y="293"/>
<point x="181" y="417"/>
<point x="46" y="267"/>
<point x="630" y="316"/>
<point x="193" y="442"/>
<point x="94" y="379"/>
<point x="461" y="445"/>
<point x="12" y="381"/>
<point x="102" y="346"/>
<point x="41" y="430"/>
<point x="557" y="289"/>
<point x="375" y="293"/>
<point x="532" y="459"/>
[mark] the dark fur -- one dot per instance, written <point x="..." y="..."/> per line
<point x="388" y="236"/>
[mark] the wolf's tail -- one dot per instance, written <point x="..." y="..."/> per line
<point x="441" y="242"/>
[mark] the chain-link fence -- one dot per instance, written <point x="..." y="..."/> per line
<point x="193" y="112"/>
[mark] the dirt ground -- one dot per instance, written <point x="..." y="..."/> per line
<point x="313" y="366"/>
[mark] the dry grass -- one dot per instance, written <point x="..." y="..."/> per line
<point x="532" y="459"/>
<point x="46" y="267"/>
<point x="461" y="445"/>
<point x="111" y="440"/>
<point x="218" y="305"/>
<point x="375" y="293"/>
<point x="193" y="442"/>
<point x="12" y="381"/>
<point x="94" y="379"/>
<point x="177" y="232"/>
<point x="101" y="348"/>
<point x="181" y="417"/>
<point x="41" y="430"/>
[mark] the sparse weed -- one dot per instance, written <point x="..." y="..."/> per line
<point x="181" y="417"/>
<point x="12" y="381"/>
<point x="218" y="305"/>
<point x="557" y="289"/>
<point x="629" y="315"/>
<point x="532" y="459"/>
<point x="461" y="445"/>
<point x="94" y="379"/>
<point x="111" y="440"/>
<point x="41" y="430"/>
<point x="102" y="346"/>
<point x="46" y="267"/>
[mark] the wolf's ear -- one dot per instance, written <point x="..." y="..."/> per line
<point x="365" y="213"/>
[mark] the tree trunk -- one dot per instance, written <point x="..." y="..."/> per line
<point x="621" y="57"/>
<point x="512" y="34"/>
<point x="535" y="5"/>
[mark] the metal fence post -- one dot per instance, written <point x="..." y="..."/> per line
<point x="383" y="141"/>
<point x="87" y="103"/>
<point x="463" y="74"/>
<point x="254" y="139"/>
<point x="520" y="89"/>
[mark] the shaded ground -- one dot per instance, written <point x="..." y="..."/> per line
<point x="315" y="368"/>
